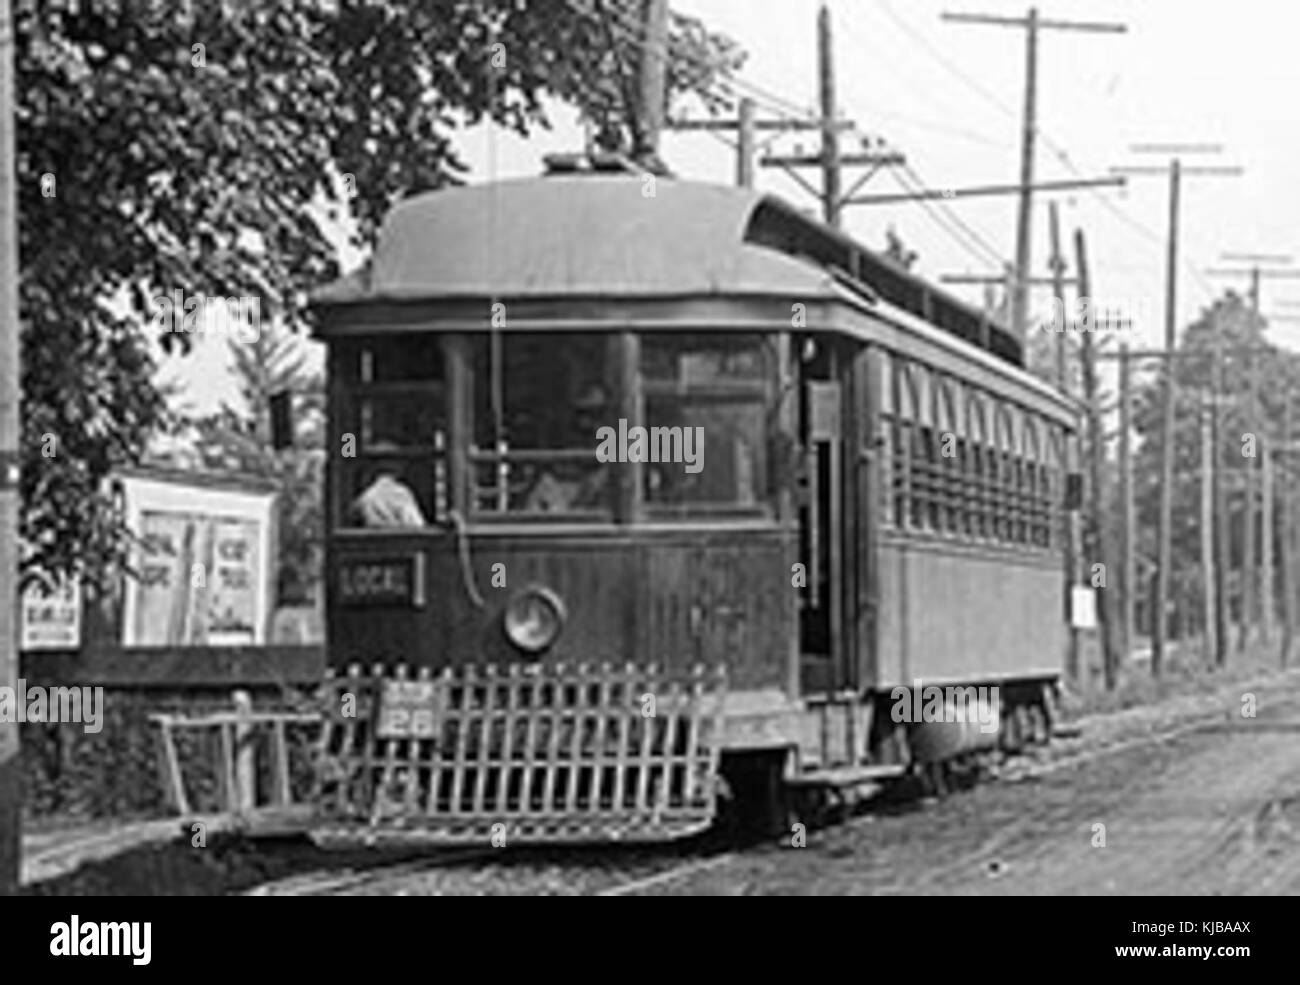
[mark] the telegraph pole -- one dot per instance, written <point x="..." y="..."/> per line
<point x="653" y="77"/>
<point x="1158" y="625"/>
<point x="1251" y="611"/>
<point x="1128" y="536"/>
<point x="10" y="778"/>
<point x="830" y="139"/>
<point x="747" y="126"/>
<point x="829" y="160"/>
<point x="1175" y="170"/>
<point x="1097" y="540"/>
<point x="1210" y="577"/>
<point x="1031" y="23"/>
<point x="1057" y="265"/>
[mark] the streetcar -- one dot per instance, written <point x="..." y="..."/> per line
<point x="646" y="495"/>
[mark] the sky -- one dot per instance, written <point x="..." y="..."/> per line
<point x="949" y="97"/>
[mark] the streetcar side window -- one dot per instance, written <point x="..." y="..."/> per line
<point x="389" y="423"/>
<point x="540" y="401"/>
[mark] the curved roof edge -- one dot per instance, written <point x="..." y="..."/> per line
<point x="618" y="235"/>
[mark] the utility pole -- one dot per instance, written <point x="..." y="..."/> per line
<point x="745" y="143"/>
<point x="1207" y="529"/>
<point x="747" y="126"/>
<point x="653" y="94"/>
<point x="1032" y="23"/>
<point x="1097" y="547"/>
<point x="830" y="139"/>
<point x="1288" y="539"/>
<point x="1251" y="611"/>
<point x="1057" y="266"/>
<point x="1163" y="552"/>
<point x="1128" y="536"/>
<point x="1175" y="171"/>
<point x="10" y="779"/>
<point x="1220" y="526"/>
<point x="829" y="160"/>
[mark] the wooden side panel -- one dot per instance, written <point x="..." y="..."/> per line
<point x="673" y="598"/>
<point x="961" y="614"/>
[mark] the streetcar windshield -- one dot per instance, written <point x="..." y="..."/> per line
<point x="559" y="426"/>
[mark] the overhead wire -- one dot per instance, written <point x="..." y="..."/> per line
<point x="1056" y="147"/>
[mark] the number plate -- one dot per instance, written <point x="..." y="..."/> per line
<point x="408" y="710"/>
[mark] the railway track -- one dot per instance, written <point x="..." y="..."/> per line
<point x="629" y="870"/>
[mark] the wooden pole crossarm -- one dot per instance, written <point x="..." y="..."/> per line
<point x="978" y="190"/>
<point x="1001" y="279"/>
<point x="1095" y="27"/>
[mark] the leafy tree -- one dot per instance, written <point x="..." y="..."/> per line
<point x="197" y="147"/>
<point x="1230" y="323"/>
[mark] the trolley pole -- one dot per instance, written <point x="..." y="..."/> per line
<point x="10" y="779"/>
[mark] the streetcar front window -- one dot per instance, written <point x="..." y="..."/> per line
<point x="539" y="402"/>
<point x="706" y="417"/>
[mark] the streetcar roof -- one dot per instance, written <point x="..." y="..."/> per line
<point x="584" y="234"/>
<point x="614" y="235"/>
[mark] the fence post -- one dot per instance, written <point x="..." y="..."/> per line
<point x="245" y="754"/>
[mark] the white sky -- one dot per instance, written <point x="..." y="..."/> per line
<point x="949" y="96"/>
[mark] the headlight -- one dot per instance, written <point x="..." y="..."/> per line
<point x="533" y="619"/>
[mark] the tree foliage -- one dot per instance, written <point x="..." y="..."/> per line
<point x="237" y="439"/>
<point x="200" y="146"/>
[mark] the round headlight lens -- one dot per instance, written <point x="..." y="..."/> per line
<point x="533" y="619"/>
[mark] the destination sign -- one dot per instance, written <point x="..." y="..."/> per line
<point x="380" y="581"/>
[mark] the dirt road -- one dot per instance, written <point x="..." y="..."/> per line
<point x="1214" y="811"/>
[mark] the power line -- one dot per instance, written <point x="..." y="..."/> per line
<point x="1061" y="153"/>
<point x="970" y="241"/>
<point x="970" y="230"/>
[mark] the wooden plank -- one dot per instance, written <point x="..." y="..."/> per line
<point x="513" y="683"/>
<point x="579" y="717"/>
<point x="178" y="667"/>
<point x="459" y="713"/>
<point x="483" y="755"/>
<point x="599" y="759"/>
<point x="553" y="742"/>
<point x="281" y="780"/>
<point x="530" y="746"/>
<point x="629" y="707"/>
<point x="173" y="782"/>
<point x="647" y="735"/>
<point x="438" y="760"/>
<point x="226" y="775"/>
<point x="666" y="753"/>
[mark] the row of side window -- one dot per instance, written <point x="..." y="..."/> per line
<point x="958" y="460"/>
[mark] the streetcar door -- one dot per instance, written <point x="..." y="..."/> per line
<point x="820" y="526"/>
